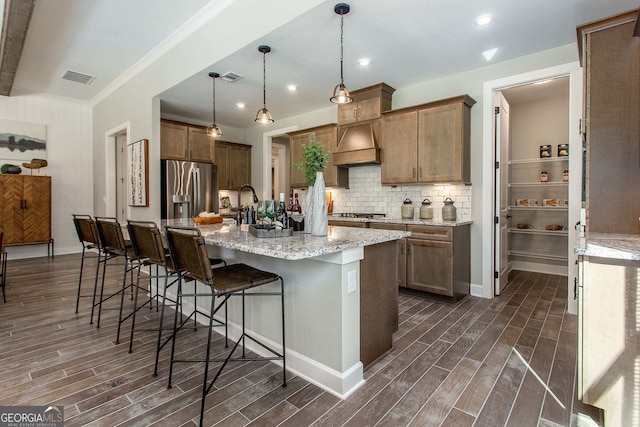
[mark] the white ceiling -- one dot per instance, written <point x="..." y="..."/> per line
<point x="408" y="41"/>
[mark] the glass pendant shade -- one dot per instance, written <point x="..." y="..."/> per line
<point x="264" y="116"/>
<point x="341" y="95"/>
<point x="340" y="92"/>
<point x="213" y="130"/>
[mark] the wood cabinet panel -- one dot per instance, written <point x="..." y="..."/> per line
<point x="428" y="143"/>
<point x="429" y="266"/>
<point x="201" y="146"/>
<point x="401" y="252"/>
<point x="443" y="144"/>
<point x="368" y="104"/>
<point x="234" y="164"/>
<point x="182" y="141"/>
<point x="399" y="148"/>
<point x="334" y="176"/>
<point x="25" y="209"/>
<point x="173" y="141"/>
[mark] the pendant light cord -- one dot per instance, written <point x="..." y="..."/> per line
<point x="264" y="80"/>
<point x="341" y="49"/>
<point x="214" y="101"/>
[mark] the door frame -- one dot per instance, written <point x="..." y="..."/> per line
<point x="110" y="166"/>
<point x="574" y="72"/>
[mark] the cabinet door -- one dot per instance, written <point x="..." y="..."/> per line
<point x="11" y="208"/>
<point x="173" y="141"/>
<point x="297" y="175"/>
<point x="398" y="148"/>
<point x="334" y="176"/>
<point x="239" y="165"/>
<point x="442" y="156"/>
<point x="401" y="252"/>
<point x="36" y="216"/>
<point x="201" y="146"/>
<point x="429" y="266"/>
<point x="368" y="109"/>
<point x="347" y="113"/>
<point x="222" y="161"/>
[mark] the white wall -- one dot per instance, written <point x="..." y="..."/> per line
<point x="70" y="164"/>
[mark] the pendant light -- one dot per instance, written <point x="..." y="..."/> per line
<point x="340" y="92"/>
<point x="213" y="130"/>
<point x="264" y="115"/>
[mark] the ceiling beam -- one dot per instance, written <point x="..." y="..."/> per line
<point x="17" y="15"/>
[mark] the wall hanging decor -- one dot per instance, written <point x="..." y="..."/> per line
<point x="22" y="140"/>
<point x="138" y="156"/>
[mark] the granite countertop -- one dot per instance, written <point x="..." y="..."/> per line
<point x="299" y="246"/>
<point x="607" y="245"/>
<point x="388" y="220"/>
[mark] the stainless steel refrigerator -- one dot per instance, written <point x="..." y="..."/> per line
<point x="188" y="188"/>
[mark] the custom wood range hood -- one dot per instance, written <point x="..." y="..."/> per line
<point x="357" y="146"/>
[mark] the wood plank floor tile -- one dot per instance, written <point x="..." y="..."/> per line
<point x="451" y="364"/>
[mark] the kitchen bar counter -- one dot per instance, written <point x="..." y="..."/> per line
<point x="606" y="245"/>
<point x="336" y="323"/>
<point x="299" y="246"/>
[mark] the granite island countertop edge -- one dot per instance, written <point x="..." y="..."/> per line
<point x="608" y="245"/>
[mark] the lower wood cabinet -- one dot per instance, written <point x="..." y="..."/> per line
<point x="25" y="209"/>
<point x="401" y="251"/>
<point x="438" y="259"/>
<point x="234" y="165"/>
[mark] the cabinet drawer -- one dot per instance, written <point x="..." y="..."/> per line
<point x="382" y="226"/>
<point x="431" y="232"/>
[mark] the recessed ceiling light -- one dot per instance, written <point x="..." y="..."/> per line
<point x="240" y="105"/>
<point x="292" y="88"/>
<point x="483" y="20"/>
<point x="490" y="54"/>
<point x="364" y="62"/>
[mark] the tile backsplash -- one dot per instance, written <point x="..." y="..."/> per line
<point x="366" y="194"/>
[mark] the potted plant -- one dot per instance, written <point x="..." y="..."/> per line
<point x="315" y="161"/>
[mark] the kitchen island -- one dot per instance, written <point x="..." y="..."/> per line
<point x="608" y="319"/>
<point x="324" y="299"/>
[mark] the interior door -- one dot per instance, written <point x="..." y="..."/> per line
<point x="501" y="192"/>
<point x="121" y="177"/>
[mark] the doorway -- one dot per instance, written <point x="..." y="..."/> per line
<point x="280" y="167"/>
<point x="491" y="193"/>
<point x="121" y="176"/>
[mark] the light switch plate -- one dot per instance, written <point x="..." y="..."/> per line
<point x="352" y="279"/>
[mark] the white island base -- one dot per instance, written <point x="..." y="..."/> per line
<point x="322" y="300"/>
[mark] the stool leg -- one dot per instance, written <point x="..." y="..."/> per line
<point x="80" y="278"/>
<point x="159" y="345"/>
<point x="206" y="360"/>
<point x="175" y="326"/>
<point x="135" y="307"/>
<point x="104" y="273"/>
<point x="95" y="286"/>
<point x="124" y="290"/>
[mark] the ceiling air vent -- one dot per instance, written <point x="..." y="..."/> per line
<point x="231" y="77"/>
<point x="74" y="76"/>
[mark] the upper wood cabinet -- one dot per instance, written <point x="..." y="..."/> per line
<point x="234" y="164"/>
<point x="369" y="103"/>
<point x="428" y="143"/>
<point x="182" y="141"/>
<point x="334" y="176"/>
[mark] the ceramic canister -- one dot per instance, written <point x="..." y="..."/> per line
<point x="406" y="211"/>
<point x="426" y="211"/>
<point x="448" y="210"/>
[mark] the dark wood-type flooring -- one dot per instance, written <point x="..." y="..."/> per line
<point x="480" y="362"/>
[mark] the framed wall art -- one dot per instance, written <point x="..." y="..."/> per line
<point x="138" y="177"/>
<point x="22" y="141"/>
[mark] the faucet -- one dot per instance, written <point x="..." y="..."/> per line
<point x="255" y="200"/>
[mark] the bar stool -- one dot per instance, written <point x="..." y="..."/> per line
<point x="91" y="248"/>
<point x="116" y="249"/>
<point x="189" y="253"/>
<point x="3" y="266"/>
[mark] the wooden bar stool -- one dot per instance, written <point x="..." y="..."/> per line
<point x="189" y="253"/>
<point x="91" y="248"/>
<point x="3" y="267"/>
<point x="118" y="252"/>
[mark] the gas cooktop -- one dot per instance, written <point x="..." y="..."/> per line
<point x="359" y="215"/>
